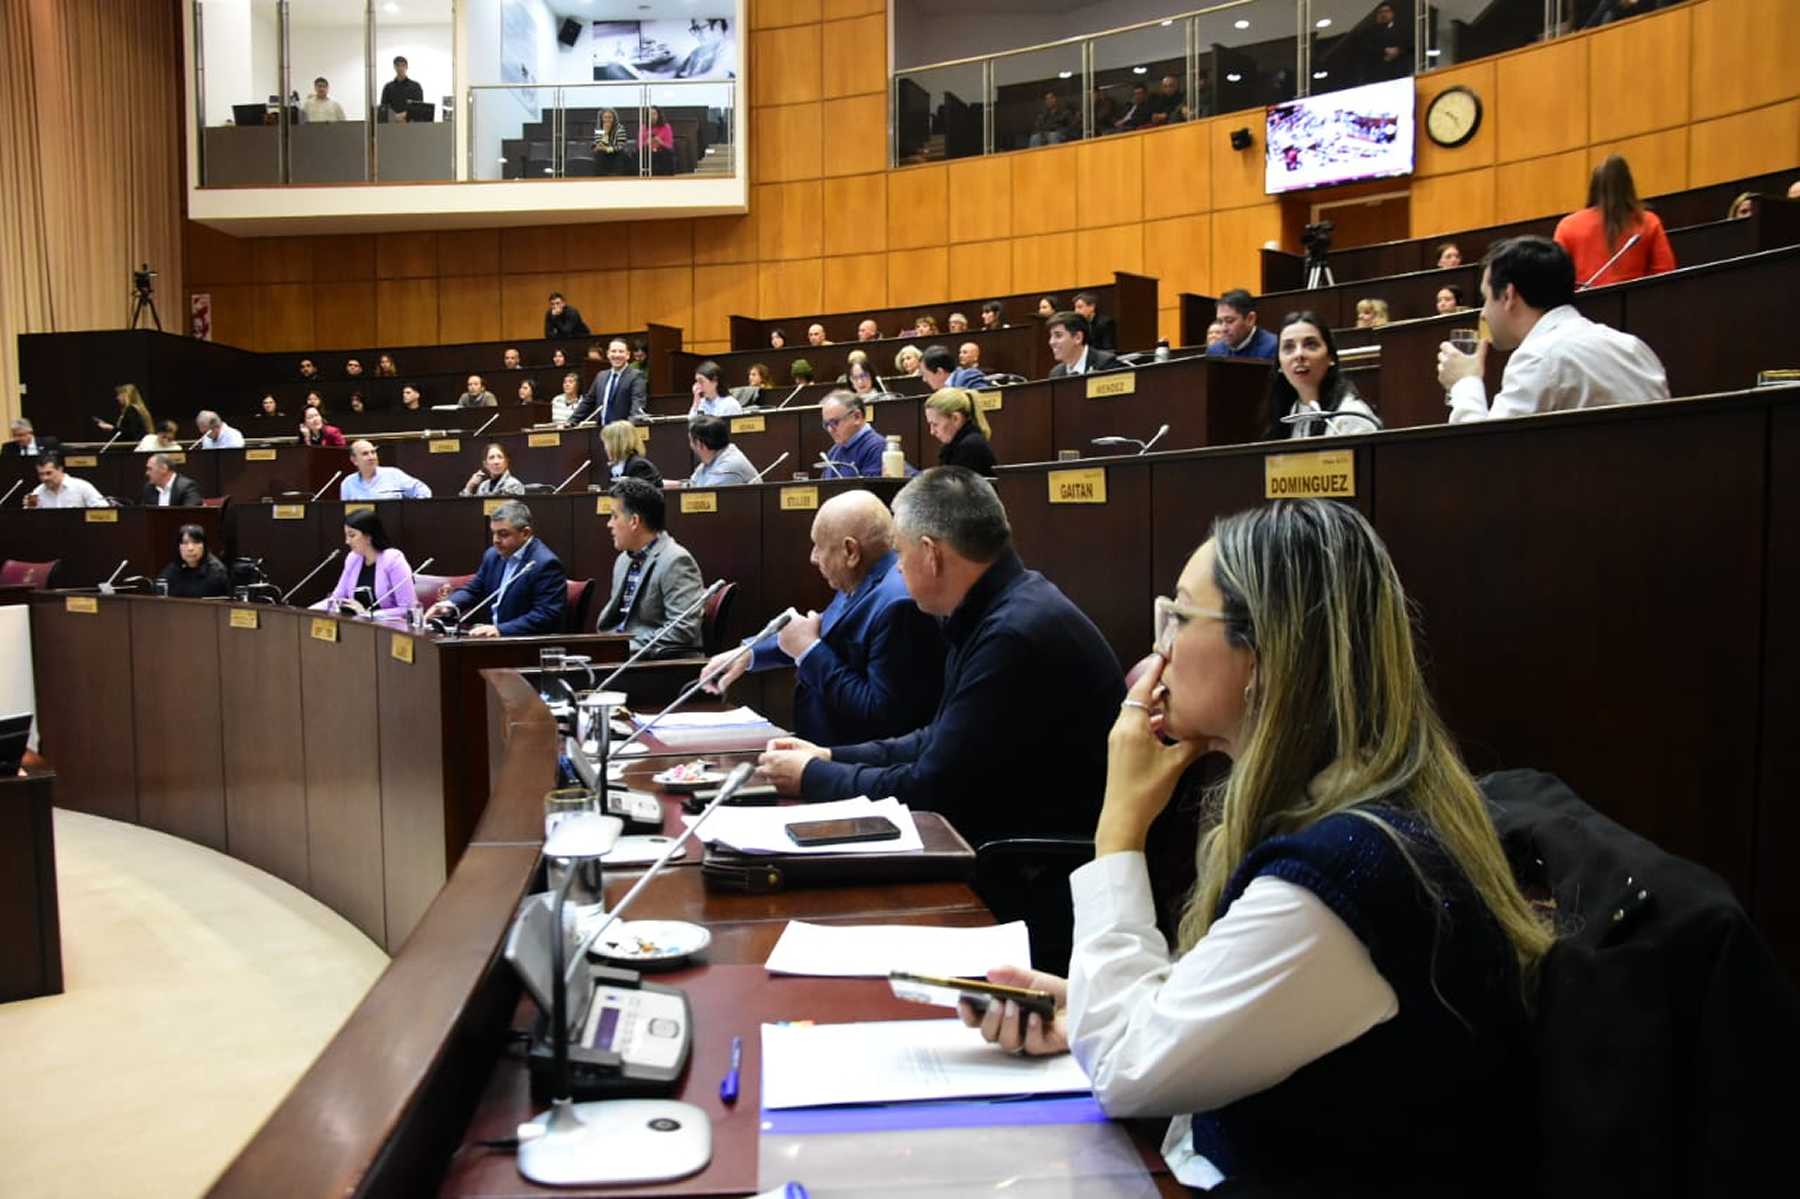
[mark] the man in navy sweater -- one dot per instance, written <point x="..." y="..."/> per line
<point x="1031" y="689"/>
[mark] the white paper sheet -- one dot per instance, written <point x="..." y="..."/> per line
<point x="900" y="1061"/>
<point x="871" y="950"/>
<point x="706" y="720"/>
<point x="764" y="829"/>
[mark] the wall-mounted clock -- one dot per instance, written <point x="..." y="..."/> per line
<point x="1453" y="116"/>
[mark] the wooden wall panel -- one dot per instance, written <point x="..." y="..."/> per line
<point x="837" y="9"/>
<point x="469" y="309"/>
<point x="659" y="243"/>
<point x="211" y="258"/>
<point x="469" y="252"/>
<point x="1744" y="55"/>
<point x="721" y="292"/>
<point x="787" y="142"/>
<point x="790" y="220"/>
<point x="1168" y="325"/>
<point x="1542" y="98"/>
<point x="344" y="314"/>
<point x="856" y="214"/>
<point x="1238" y="237"/>
<point x="1639" y="76"/>
<point x="856" y="281"/>
<point x="1041" y="183"/>
<point x="1748" y="143"/>
<point x="281" y="259"/>
<point x="786" y="66"/>
<point x="1100" y="252"/>
<point x="854" y="56"/>
<point x="522" y="304"/>
<point x="1178" y="252"/>
<point x="980" y="199"/>
<point x="858" y="127"/>
<point x="1478" y="151"/>
<point x="919" y="276"/>
<point x="918" y="208"/>
<point x="344" y="257"/>
<point x="1109" y="187"/>
<point x="406" y="312"/>
<point x="604" y="298"/>
<point x="1659" y="161"/>
<point x="981" y="268"/>
<point x="1177" y="170"/>
<point x="600" y="246"/>
<point x="283" y="316"/>
<point x="1540" y="186"/>
<point x="235" y="311"/>
<point x="1045" y="263"/>
<point x="1237" y="175"/>
<point x="535" y="248"/>
<point x="723" y="239"/>
<point x="1445" y="203"/>
<point x="791" y="289"/>
<point x="410" y="255"/>
<point x="661" y="296"/>
<point x="768" y="14"/>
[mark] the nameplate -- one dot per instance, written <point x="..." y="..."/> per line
<point x="1087" y="486"/>
<point x="1323" y="474"/>
<point x="81" y="603"/>
<point x="103" y="516"/>
<point x="289" y="512"/>
<point x="359" y="506"/>
<point x="699" y="501"/>
<point x="536" y="440"/>
<point x="444" y="445"/>
<point x="748" y="424"/>
<point x="74" y="460"/>
<point x="603" y="506"/>
<point x="797" y="499"/>
<point x="324" y="629"/>
<point x="400" y="649"/>
<point x="1112" y="383"/>
<point x="987" y="401"/>
<point x="259" y="455"/>
<point x="245" y="618"/>
<point x="178" y="457"/>
<point x="488" y="507"/>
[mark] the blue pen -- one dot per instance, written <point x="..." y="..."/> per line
<point x="728" y="1086"/>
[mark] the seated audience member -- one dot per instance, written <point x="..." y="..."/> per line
<point x="954" y="418"/>
<point x="800" y="372"/>
<point x="495" y="476"/>
<point x="867" y="330"/>
<point x="564" y="402"/>
<point x="353" y="369"/>
<point x="215" y="434"/>
<point x="196" y="573"/>
<point x="852" y="359"/>
<point x="1048" y="306"/>
<point x="26" y="443"/>
<point x="991" y="314"/>
<point x="559" y="358"/>
<point x="640" y="358"/>
<point x="1105" y="112"/>
<point x="968" y="355"/>
<point x="164" y="487"/>
<point x="721" y="463"/>
<point x="527" y="392"/>
<point x="410" y="399"/>
<point x="134" y="419"/>
<point x="654" y="578"/>
<point x="871" y="665"/>
<point x="357" y="403"/>
<point x="1103" y="331"/>
<point x="1068" y="345"/>
<point x="1560" y="358"/>
<point x="58" y="489"/>
<point x="1596" y="236"/>
<point x="373" y="481"/>
<point x="1167" y="106"/>
<point x="1449" y="299"/>
<point x="1236" y="313"/>
<point x="613" y="153"/>
<point x="656" y="140"/>
<point x="1215" y="333"/>
<point x="1054" y="123"/>
<point x="906" y="361"/>
<point x="617" y="393"/>
<point x="511" y="360"/>
<point x="163" y="439"/>
<point x="314" y="399"/>
<point x="957" y="323"/>
<point x="925" y="325"/>
<point x="1137" y="114"/>
<point x="995" y="759"/>
<point x="524" y="573"/>
<point x="1741" y="206"/>
<point x="1449" y="254"/>
<point x="385" y="367"/>
<point x="1306" y="379"/>
<point x="268" y="409"/>
<point x="376" y="577"/>
<point x="624" y="458"/>
<point x="308" y="370"/>
<point x="777" y="339"/>
<point x="939" y="370"/>
<point x="863" y="381"/>
<point x="815" y="335"/>
<point x="596" y="352"/>
<point x="856" y="447"/>
<point x="1371" y="314"/>
<point x="709" y="400"/>
<point x="760" y="376"/>
<point x="1356" y="927"/>
<point x="476" y="395"/>
<point x="563" y="320"/>
<point x="314" y="430"/>
<point x="1793" y="191"/>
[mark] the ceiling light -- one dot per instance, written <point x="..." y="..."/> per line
<point x="1320" y="74"/>
<point x="1065" y="74"/>
<point x="1234" y="77"/>
<point x="1140" y="70"/>
<point x="1240" y="24"/>
<point x="1432" y="53"/>
<point x="1322" y="23"/>
<point x="390" y="7"/>
<point x="1170" y="21"/>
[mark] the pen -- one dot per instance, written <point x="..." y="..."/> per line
<point x="728" y="1086"/>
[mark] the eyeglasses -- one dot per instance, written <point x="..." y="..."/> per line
<point x="831" y="423"/>
<point x="1170" y="616"/>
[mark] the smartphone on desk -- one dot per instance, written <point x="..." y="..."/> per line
<point x="759" y="795"/>
<point x="977" y="993"/>
<point x="808" y="833"/>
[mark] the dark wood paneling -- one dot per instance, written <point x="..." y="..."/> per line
<point x="81" y="665"/>
<point x="727" y="544"/>
<point x="1204" y="401"/>
<point x="343" y="774"/>
<point x="414" y="852"/>
<point x="30" y="927"/>
<point x="1777" y="890"/>
<point x="290" y="543"/>
<point x="175" y="702"/>
<point x="1020" y="349"/>
<point x="264" y="743"/>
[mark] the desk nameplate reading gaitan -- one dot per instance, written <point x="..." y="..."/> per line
<point x="1084" y="486"/>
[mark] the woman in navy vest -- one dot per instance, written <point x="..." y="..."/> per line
<point x="1347" y="1012"/>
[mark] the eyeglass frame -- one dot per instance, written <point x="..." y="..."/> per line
<point x="1165" y="611"/>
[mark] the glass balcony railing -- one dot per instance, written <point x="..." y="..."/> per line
<point x="602" y="130"/>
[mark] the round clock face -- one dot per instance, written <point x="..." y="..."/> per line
<point x="1453" y="117"/>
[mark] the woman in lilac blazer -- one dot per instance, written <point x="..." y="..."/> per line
<point x="372" y="563"/>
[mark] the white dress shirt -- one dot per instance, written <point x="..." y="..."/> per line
<point x="1339" y="425"/>
<point x="1079" y="366"/>
<point x="318" y="111"/>
<point x="162" y="492"/>
<point x="1566" y="361"/>
<point x="74" y="493"/>
<point x="228" y="439"/>
<point x="1277" y="982"/>
<point x="389" y="483"/>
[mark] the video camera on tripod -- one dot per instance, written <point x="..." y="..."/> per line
<point x="1315" y="239"/>
<point x="141" y="288"/>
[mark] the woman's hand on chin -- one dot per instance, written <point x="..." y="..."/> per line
<point x="1141" y="767"/>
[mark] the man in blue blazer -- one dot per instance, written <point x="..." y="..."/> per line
<point x="533" y="587"/>
<point x="871" y="665"/>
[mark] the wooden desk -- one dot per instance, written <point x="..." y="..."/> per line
<point x="30" y="931"/>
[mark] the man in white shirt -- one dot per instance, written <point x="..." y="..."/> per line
<point x="58" y="489"/>
<point x="320" y="106"/>
<point x="373" y="481"/>
<point x="215" y="434"/>
<point x="25" y="442"/>
<point x="1560" y="358"/>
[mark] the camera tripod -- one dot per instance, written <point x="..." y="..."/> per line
<point x="1318" y="272"/>
<point x="140" y="301"/>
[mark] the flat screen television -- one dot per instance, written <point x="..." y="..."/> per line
<point x="1341" y="137"/>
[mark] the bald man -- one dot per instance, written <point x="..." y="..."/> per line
<point x="871" y="665"/>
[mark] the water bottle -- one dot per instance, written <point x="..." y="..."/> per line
<point x="1162" y="349"/>
<point x="893" y="460"/>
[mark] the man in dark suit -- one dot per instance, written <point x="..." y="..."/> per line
<point x="654" y="578"/>
<point x="163" y="488"/>
<point x="563" y="320"/>
<point x="533" y="587"/>
<point x="1103" y="331"/>
<point x="617" y="393"/>
<point x="1069" y="346"/>
<point x="26" y="443"/>
<point x="871" y="665"/>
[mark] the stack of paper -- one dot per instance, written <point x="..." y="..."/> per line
<point x="871" y="950"/>
<point x="679" y="729"/>
<point x="764" y="829"/>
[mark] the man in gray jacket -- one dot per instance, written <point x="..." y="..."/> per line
<point x="653" y="577"/>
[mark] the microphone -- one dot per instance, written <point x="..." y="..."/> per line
<point x="765" y="470"/>
<point x="1159" y="436"/>
<point x="706" y="676"/>
<point x="328" y="483"/>
<point x="329" y="558"/>
<point x="490" y="420"/>
<point x="109" y="441"/>
<point x="826" y="461"/>
<point x="106" y="587"/>
<point x="572" y="475"/>
<point x="1143" y="447"/>
<point x="462" y="617"/>
<point x="1629" y="242"/>
<point x="790" y="397"/>
<point x="1295" y="418"/>
<point x="414" y="573"/>
<point x="197" y="442"/>
<point x="17" y="483"/>
<point x="667" y="627"/>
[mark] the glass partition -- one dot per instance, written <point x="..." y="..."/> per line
<point x="1037" y="97"/>
<point x="512" y="132"/>
<point x="1460" y="30"/>
<point x="1140" y="78"/>
<point x="238" y="89"/>
<point x="602" y="130"/>
<point x="1248" y="55"/>
<point x="689" y="128"/>
<point x="415" y="135"/>
<point x="601" y="123"/>
<point x="328" y="44"/>
<point x="1354" y="42"/>
<point x="939" y="112"/>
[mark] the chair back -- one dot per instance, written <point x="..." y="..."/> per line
<point x="216" y="501"/>
<point x="1027" y="878"/>
<point x="715" y="618"/>
<point x="35" y="575"/>
<point x="580" y="597"/>
<point x="432" y="588"/>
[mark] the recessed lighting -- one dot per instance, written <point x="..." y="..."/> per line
<point x="1140" y="70"/>
<point x="1065" y="74"/>
<point x="1240" y="24"/>
<point x="1234" y="77"/>
<point x="390" y="7"/>
<point x="1322" y="23"/>
<point x="1320" y="74"/>
<point x="1432" y="53"/>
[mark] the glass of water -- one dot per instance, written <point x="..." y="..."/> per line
<point x="160" y="587"/>
<point x="1466" y="340"/>
<point x="550" y="659"/>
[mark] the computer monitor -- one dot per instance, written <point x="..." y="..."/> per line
<point x="249" y="114"/>
<point x="418" y="112"/>
<point x="15" y="733"/>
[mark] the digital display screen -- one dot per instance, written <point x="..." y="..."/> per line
<point x="607" y="1029"/>
<point x="1341" y="137"/>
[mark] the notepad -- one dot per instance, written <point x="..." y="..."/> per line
<point x="755" y="830"/>
<point x="871" y="950"/>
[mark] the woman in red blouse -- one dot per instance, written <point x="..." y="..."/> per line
<point x="1613" y="215"/>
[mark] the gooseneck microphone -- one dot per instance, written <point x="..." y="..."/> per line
<point x="1159" y="436"/>
<point x="375" y="604"/>
<point x="329" y="559"/>
<point x="484" y="427"/>
<point x="1607" y="265"/>
<point x="706" y="676"/>
<point x="798" y="387"/>
<point x="572" y="475"/>
<point x="668" y="627"/>
<point x="321" y="491"/>
<point x="765" y="470"/>
<point x="17" y="483"/>
<point x="109" y="441"/>
<point x="1297" y="418"/>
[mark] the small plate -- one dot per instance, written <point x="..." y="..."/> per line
<point x="667" y="782"/>
<point x="641" y="849"/>
<point x="651" y="943"/>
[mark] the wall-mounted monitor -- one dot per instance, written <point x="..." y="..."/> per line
<point x="1340" y="137"/>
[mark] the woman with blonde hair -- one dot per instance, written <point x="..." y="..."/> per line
<point x="1371" y="314"/>
<point x="1349" y="1005"/>
<point x="954" y="418"/>
<point x="133" y="419"/>
<point x="624" y="459"/>
<point x="1744" y="205"/>
<point x="1597" y="235"/>
<point x="906" y="362"/>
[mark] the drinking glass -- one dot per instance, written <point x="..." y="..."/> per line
<point x="1466" y="340"/>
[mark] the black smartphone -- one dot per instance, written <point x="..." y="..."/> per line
<point x="761" y="795"/>
<point x="977" y="993"/>
<point x="842" y="832"/>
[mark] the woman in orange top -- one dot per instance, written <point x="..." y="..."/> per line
<point x="1614" y="213"/>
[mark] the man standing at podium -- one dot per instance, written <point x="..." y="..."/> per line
<point x="532" y="587"/>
